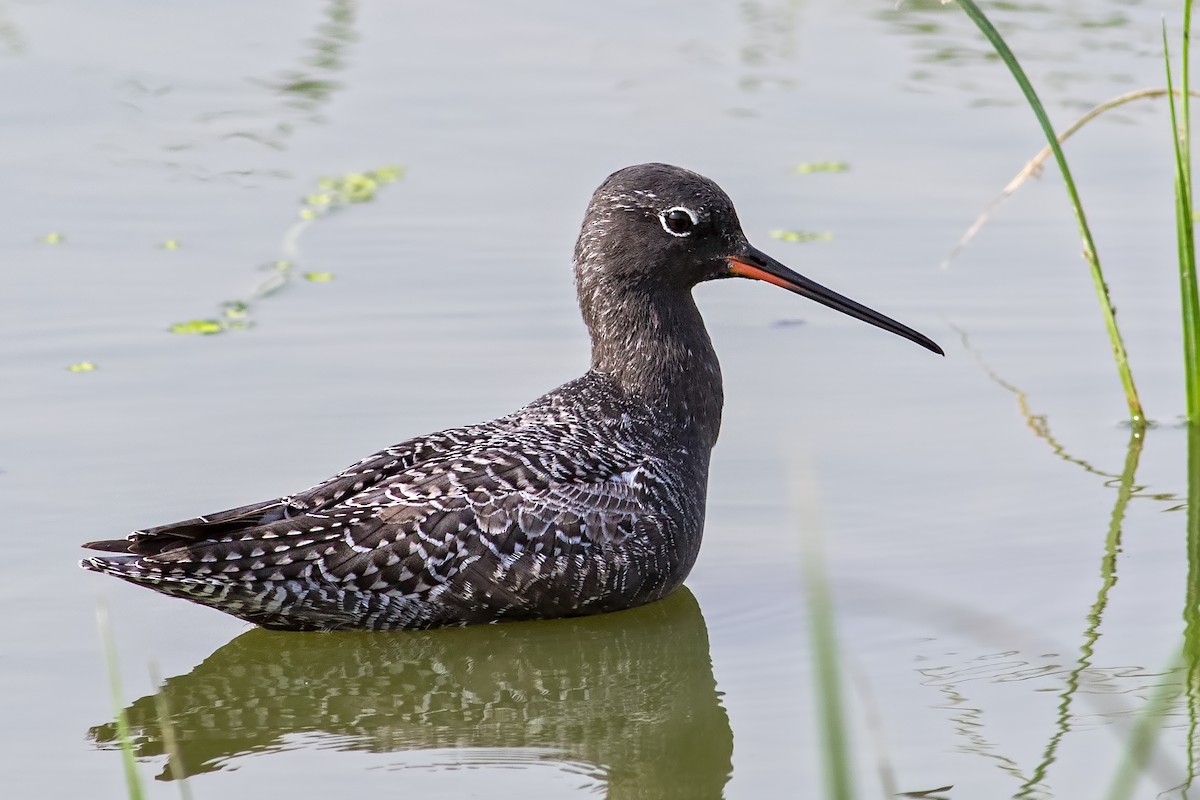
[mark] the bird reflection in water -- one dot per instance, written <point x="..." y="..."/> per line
<point x="630" y="694"/>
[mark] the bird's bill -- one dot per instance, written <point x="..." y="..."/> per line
<point x="754" y="263"/>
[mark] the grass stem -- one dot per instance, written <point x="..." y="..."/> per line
<point x="1189" y="296"/>
<point x="132" y="780"/>
<point x="828" y="679"/>
<point x="830" y="694"/>
<point x="1089" y="247"/>
<point x="1033" y="167"/>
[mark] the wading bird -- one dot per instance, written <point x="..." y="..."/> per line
<point x="589" y="499"/>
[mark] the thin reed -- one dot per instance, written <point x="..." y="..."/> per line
<point x="1133" y="767"/>
<point x="826" y="660"/>
<point x="1189" y="302"/>
<point x="133" y="782"/>
<point x="1089" y="247"/>
<point x="1189" y="297"/>
<point x="827" y="667"/>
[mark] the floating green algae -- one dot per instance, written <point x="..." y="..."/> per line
<point x="201" y="327"/>
<point x="802" y="236"/>
<point x="235" y="309"/>
<point x="332" y="195"/>
<point x="352" y="187"/>
<point x="809" y="167"/>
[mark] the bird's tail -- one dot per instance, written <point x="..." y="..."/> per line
<point x="286" y="605"/>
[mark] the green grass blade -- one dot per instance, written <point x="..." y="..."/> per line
<point x="1142" y="738"/>
<point x="1188" y="301"/>
<point x="132" y="780"/>
<point x="828" y="683"/>
<point x="827" y="669"/>
<point x="1186" y="83"/>
<point x="826" y="663"/>
<point x="1189" y="296"/>
<point x="1089" y="247"/>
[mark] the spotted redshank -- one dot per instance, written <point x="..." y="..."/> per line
<point x="589" y="499"/>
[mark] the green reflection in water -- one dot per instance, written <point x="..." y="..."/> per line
<point x="1039" y="425"/>
<point x="1191" y="608"/>
<point x="1091" y="634"/>
<point x="298" y="96"/>
<point x="12" y="43"/>
<point x="1141" y="740"/>
<point x="1056" y="40"/>
<point x="631" y="695"/>
<point x="767" y="44"/>
<point x="308" y="90"/>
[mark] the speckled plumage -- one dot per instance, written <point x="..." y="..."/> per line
<point x="589" y="499"/>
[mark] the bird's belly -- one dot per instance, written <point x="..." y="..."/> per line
<point x="580" y="578"/>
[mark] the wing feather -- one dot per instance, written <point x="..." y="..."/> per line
<point x="470" y="524"/>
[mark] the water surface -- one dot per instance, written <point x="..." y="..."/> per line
<point x="999" y="631"/>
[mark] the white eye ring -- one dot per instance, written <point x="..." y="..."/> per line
<point x="670" y="213"/>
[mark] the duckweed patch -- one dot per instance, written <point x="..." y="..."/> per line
<point x="810" y="167"/>
<point x="801" y="237"/>
<point x="332" y="196"/>
<point x="201" y="327"/>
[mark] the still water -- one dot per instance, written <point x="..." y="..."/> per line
<point x="999" y="627"/>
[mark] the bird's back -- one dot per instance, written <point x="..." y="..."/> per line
<point x="580" y="502"/>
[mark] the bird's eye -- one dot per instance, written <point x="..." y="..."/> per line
<point x="677" y="221"/>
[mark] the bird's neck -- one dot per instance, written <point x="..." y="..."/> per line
<point x="655" y="347"/>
